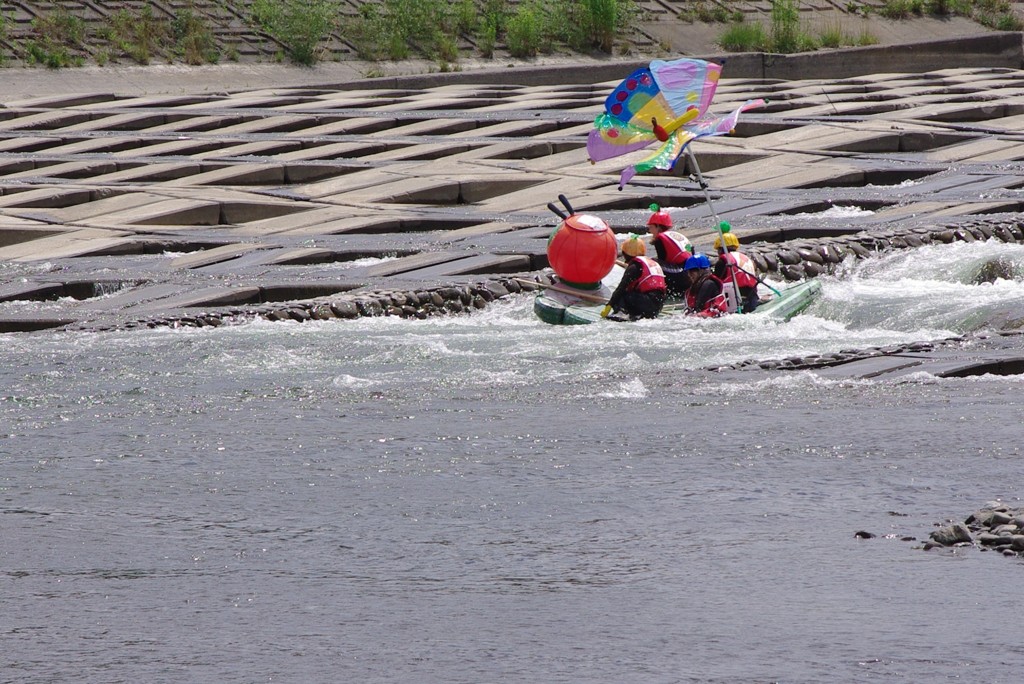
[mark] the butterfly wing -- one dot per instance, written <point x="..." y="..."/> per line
<point x="670" y="94"/>
<point x="668" y="154"/>
<point x="687" y="87"/>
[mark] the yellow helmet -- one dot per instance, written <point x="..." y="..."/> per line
<point x="634" y="246"/>
<point x="731" y="241"/>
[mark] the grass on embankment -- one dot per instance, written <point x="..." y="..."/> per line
<point x="442" y="31"/>
<point x="786" y="33"/>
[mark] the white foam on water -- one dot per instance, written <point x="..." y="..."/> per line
<point x="832" y="212"/>
<point x="365" y="261"/>
<point x="352" y="382"/>
<point x="893" y="299"/>
<point x="631" y="389"/>
<point x="793" y="381"/>
<point x="924" y="378"/>
<point x="909" y="183"/>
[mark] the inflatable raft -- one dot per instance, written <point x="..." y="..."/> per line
<point x="563" y="305"/>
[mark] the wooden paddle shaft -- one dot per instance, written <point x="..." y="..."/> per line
<point x="597" y="299"/>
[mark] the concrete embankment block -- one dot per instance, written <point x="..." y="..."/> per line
<point x="258" y="260"/>
<point x="10" y="292"/>
<point x="943" y="364"/>
<point x="490" y="228"/>
<point x="209" y="296"/>
<point x="316" y="220"/>
<point x="147" y="172"/>
<point x="48" y="120"/>
<point x="64" y="196"/>
<point x="482" y="264"/>
<point x="234" y="174"/>
<point x="415" y="262"/>
<point x="979" y="150"/>
<point x="988" y="50"/>
<point x="783" y="171"/>
<point x="355" y="187"/>
<point x="140" y="294"/>
<point x="62" y="100"/>
<point x="16" y="230"/>
<point x="194" y="212"/>
<point x="212" y="256"/>
<point x="81" y="213"/>
<point x="14" y="324"/>
<point x="70" y="244"/>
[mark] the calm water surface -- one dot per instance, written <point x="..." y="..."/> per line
<point x="490" y="499"/>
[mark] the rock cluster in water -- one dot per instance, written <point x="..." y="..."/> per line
<point x="802" y="259"/>
<point x="995" y="527"/>
<point x="452" y="299"/>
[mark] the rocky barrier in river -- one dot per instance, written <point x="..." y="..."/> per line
<point x="793" y="261"/>
<point x="800" y="259"/>
<point x="420" y="303"/>
<point x="994" y="527"/>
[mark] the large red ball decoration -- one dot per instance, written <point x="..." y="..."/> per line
<point x="582" y="250"/>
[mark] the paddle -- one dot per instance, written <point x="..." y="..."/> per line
<point x="760" y="280"/>
<point x="597" y="299"/>
<point x="718" y="224"/>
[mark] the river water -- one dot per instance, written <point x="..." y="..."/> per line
<point x="485" y="498"/>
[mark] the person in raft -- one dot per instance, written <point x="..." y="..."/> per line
<point x="641" y="292"/>
<point x="672" y="249"/>
<point x="732" y="262"/>
<point x="705" y="296"/>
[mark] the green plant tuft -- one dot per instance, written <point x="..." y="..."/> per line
<point x="523" y="31"/>
<point x="141" y="36"/>
<point x="58" y="40"/>
<point x="193" y="39"/>
<point x="708" y="12"/>
<point x="744" y="37"/>
<point x="785" y="27"/>
<point x="299" y="25"/>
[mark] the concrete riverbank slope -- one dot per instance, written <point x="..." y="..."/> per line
<point x="375" y="196"/>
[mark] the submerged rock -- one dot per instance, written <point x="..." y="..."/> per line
<point x="993" y="270"/>
<point x="994" y="526"/>
<point x="952" y="534"/>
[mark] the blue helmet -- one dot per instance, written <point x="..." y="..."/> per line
<point x="697" y="261"/>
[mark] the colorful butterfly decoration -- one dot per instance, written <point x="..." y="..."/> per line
<point x="667" y="102"/>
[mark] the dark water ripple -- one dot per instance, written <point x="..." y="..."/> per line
<point x="335" y="503"/>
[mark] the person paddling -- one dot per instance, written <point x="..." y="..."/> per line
<point x="705" y="296"/>
<point x="733" y="263"/>
<point x="672" y="248"/>
<point x="641" y="292"/>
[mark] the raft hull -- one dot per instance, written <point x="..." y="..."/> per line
<point x="559" y="308"/>
<point x="566" y="308"/>
<point x="794" y="300"/>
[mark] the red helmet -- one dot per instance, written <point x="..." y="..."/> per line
<point x="660" y="217"/>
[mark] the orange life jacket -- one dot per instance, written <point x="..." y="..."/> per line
<point x="743" y="266"/>
<point x="675" y="247"/>
<point x="651" y="277"/>
<point x="716" y="306"/>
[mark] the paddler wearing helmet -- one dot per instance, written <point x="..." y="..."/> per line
<point x="705" y="296"/>
<point x="672" y="248"/>
<point x="641" y="292"/>
<point x="734" y="263"/>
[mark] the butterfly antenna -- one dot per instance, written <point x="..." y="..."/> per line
<point x="565" y="203"/>
<point x="558" y="212"/>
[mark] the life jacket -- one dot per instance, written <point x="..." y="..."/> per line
<point x="743" y="266"/>
<point x="716" y="306"/>
<point x="675" y="247"/>
<point x="651" y="277"/>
